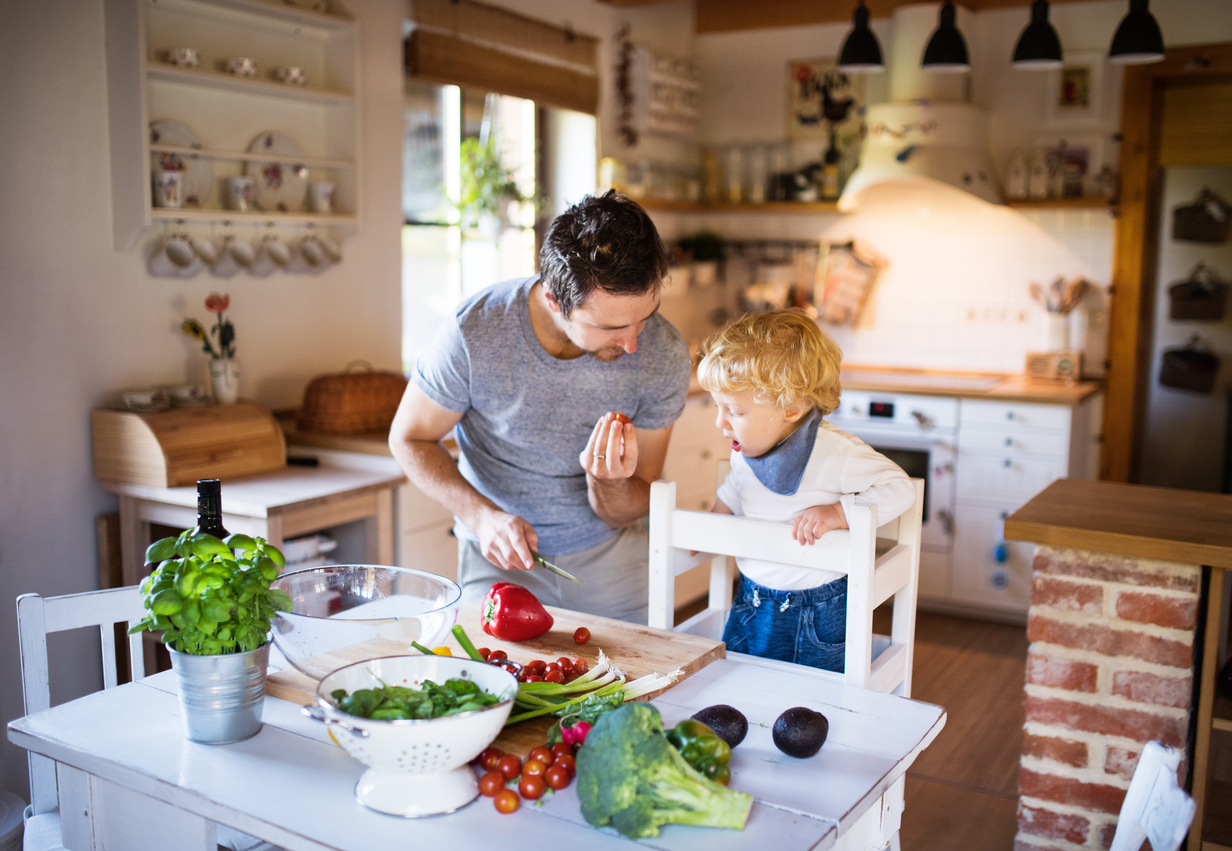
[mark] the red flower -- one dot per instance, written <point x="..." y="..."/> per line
<point x="218" y="303"/>
<point x="803" y="74"/>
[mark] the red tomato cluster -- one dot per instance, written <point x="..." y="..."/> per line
<point x="562" y="670"/>
<point x="545" y="768"/>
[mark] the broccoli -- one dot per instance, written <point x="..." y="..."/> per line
<point x="630" y="776"/>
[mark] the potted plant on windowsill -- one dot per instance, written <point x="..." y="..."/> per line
<point x="211" y="600"/>
<point x="488" y="190"/>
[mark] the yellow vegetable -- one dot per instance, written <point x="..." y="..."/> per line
<point x="442" y="651"/>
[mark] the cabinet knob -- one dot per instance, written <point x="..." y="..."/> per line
<point x="1009" y="415"/>
<point x="1007" y="463"/>
<point x="1009" y="441"/>
<point x="1000" y="579"/>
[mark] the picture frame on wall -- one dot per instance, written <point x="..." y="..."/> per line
<point x="1074" y="93"/>
<point x="820" y="96"/>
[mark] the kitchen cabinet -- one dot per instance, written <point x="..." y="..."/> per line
<point x="229" y="113"/>
<point x="426" y="540"/>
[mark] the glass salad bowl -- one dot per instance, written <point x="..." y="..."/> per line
<point x="347" y="613"/>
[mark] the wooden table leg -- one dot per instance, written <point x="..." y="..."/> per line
<point x="134" y="538"/>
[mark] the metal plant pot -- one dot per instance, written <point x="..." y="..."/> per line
<point x="221" y="696"/>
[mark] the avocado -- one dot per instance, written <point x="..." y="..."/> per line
<point x="800" y="732"/>
<point x="728" y="723"/>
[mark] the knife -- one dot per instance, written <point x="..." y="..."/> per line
<point x="542" y="562"/>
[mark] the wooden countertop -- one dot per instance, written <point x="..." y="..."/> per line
<point x="976" y="385"/>
<point x="1193" y="527"/>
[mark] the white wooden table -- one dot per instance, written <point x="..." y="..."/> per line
<point x="276" y="505"/>
<point x="129" y="779"/>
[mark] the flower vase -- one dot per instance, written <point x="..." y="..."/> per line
<point x="225" y="380"/>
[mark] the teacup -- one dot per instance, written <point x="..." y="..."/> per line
<point x="292" y="74"/>
<point x="168" y="188"/>
<point x="239" y="194"/>
<point x="242" y="66"/>
<point x="321" y="196"/>
<point x="312" y="251"/>
<point x="179" y="250"/>
<point x="276" y="250"/>
<point x="184" y="57"/>
<point x="205" y="249"/>
<point x="241" y="252"/>
<point x="143" y="400"/>
<point x="188" y="394"/>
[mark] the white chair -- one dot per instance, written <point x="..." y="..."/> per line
<point x="1155" y="807"/>
<point x="874" y="662"/>
<point x="36" y="618"/>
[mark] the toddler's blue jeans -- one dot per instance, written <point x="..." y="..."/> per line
<point x="807" y="626"/>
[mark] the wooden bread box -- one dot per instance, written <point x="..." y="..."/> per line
<point x="174" y="448"/>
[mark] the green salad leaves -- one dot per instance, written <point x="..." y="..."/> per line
<point x="391" y="703"/>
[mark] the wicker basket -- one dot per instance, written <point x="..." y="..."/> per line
<point x="1205" y="220"/>
<point x="351" y="402"/>
<point x="1202" y="296"/>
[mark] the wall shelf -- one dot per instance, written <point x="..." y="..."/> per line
<point x="212" y="214"/>
<point x="244" y="85"/>
<point x="724" y="207"/>
<point x="1093" y="203"/>
<point x="239" y="156"/>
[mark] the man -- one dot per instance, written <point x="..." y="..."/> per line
<point x="529" y="375"/>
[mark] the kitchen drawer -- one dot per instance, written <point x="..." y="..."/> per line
<point x="983" y="575"/>
<point x="981" y="414"/>
<point x="433" y="550"/>
<point x="1002" y="441"/>
<point x="1008" y="478"/>
<point x="416" y="510"/>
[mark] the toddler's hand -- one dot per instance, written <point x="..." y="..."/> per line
<point x="814" y="522"/>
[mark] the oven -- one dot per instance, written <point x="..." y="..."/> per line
<point x="919" y="433"/>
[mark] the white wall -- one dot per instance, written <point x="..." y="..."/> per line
<point x="80" y="320"/>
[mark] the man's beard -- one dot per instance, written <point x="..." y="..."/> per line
<point x="607" y="354"/>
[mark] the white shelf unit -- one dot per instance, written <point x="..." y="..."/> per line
<point x="227" y="112"/>
<point x="666" y="94"/>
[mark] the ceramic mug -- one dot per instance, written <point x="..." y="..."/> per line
<point x="179" y="250"/>
<point x="292" y="74"/>
<point x="205" y="249"/>
<point x="241" y="252"/>
<point x="276" y="250"/>
<point x="312" y="251"/>
<point x="168" y="188"/>
<point x="242" y="66"/>
<point x="184" y="57"/>
<point x="321" y="196"/>
<point x="239" y="194"/>
<point x="187" y="394"/>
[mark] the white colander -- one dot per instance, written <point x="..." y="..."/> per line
<point x="416" y="768"/>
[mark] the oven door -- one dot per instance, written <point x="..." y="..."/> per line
<point x="930" y="459"/>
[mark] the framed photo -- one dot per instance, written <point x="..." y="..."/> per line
<point x="820" y="97"/>
<point x="1074" y="93"/>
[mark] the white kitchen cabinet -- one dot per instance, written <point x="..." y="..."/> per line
<point x="988" y="570"/>
<point x="229" y="113"/>
<point x="425" y="533"/>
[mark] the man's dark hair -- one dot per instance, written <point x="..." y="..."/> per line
<point x="601" y="243"/>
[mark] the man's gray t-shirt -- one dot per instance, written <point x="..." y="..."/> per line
<point x="526" y="416"/>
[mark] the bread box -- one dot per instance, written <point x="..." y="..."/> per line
<point x="176" y="447"/>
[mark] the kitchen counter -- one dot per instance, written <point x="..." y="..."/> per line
<point x="967" y="385"/>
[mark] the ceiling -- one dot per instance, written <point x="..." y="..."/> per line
<point x="714" y="16"/>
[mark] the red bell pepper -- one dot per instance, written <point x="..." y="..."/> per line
<point x="511" y="613"/>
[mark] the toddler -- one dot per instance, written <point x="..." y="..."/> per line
<point x="773" y="377"/>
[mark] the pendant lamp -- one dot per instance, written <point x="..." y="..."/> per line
<point x="1038" y="47"/>
<point x="1137" y="39"/>
<point x="861" y="54"/>
<point x="946" y="52"/>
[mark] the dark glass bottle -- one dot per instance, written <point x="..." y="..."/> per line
<point x="209" y="508"/>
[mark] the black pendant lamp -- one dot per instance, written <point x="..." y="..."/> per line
<point x="861" y="54"/>
<point x="1038" y="47"/>
<point x="1137" y="39"/>
<point x="946" y="52"/>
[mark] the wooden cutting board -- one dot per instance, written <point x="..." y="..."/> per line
<point x="636" y="650"/>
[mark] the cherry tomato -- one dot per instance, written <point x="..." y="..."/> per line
<point x="542" y="754"/>
<point x="581" y="635"/>
<point x="569" y="761"/>
<point x="553" y="666"/>
<point x="621" y="418"/>
<point x="566" y="665"/>
<point x="580" y="666"/>
<point x="537" y="666"/>
<point x="507" y="801"/>
<point x="510" y="766"/>
<point x="557" y="777"/>
<point x="554" y="676"/>
<point x="485" y="653"/>
<point x="561" y="749"/>
<point x="533" y="678"/>
<point x="490" y="757"/>
<point x="491" y="783"/>
<point x="532" y="786"/>
<point x="497" y="654"/>
<point x="534" y="768"/>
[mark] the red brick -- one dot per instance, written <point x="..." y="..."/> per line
<point x="1108" y="567"/>
<point x="1142" y="687"/>
<point x="1061" y="673"/>
<point x="1067" y="595"/>
<point x="1105" y="835"/>
<point x="1065" y="790"/>
<point x="1161" y="611"/>
<point x="1109" y="642"/>
<point x="1052" y="825"/>
<point x="1056" y="749"/>
<point x="1019" y="845"/>
<point x="1121" y="762"/>
<point x="1109" y="721"/>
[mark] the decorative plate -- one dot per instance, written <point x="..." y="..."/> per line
<point x="198" y="172"/>
<point x="277" y="186"/>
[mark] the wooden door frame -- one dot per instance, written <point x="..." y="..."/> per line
<point x="1136" y="254"/>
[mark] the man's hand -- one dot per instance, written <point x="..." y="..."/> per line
<point x="506" y="540"/>
<point x="814" y="522"/>
<point x="611" y="452"/>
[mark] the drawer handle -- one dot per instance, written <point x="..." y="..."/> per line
<point x="1009" y="415"/>
<point x="1009" y="441"/>
<point x="1007" y="463"/>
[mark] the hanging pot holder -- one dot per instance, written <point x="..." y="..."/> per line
<point x="1202" y="296"/>
<point x="1190" y="368"/>
<point x="1205" y="220"/>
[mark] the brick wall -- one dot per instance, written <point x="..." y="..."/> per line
<point x="1110" y="668"/>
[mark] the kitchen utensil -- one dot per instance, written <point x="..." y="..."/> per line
<point x="544" y="563"/>
<point x="277" y="186"/>
<point x="353" y="612"/>
<point x="415" y="767"/>
<point x="198" y="172"/>
<point x="184" y="57"/>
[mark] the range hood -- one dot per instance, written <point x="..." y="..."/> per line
<point x="928" y="131"/>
